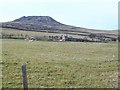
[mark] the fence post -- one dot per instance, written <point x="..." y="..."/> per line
<point x="24" y="75"/>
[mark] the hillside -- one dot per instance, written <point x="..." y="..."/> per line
<point x="42" y="23"/>
<point x="49" y="25"/>
<point x="36" y="23"/>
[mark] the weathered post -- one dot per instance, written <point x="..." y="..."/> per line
<point x="24" y="75"/>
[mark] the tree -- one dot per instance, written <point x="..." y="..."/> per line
<point x="92" y="36"/>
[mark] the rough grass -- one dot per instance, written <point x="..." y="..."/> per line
<point x="60" y="64"/>
<point x="32" y="33"/>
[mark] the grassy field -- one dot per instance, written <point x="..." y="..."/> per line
<point x="32" y="33"/>
<point x="60" y="64"/>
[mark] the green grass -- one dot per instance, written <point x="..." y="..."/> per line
<point x="32" y="33"/>
<point x="60" y="64"/>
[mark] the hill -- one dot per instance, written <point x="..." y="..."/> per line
<point x="50" y="25"/>
<point x="36" y="23"/>
<point x="42" y="23"/>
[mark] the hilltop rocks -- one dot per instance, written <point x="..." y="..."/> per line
<point x="38" y="20"/>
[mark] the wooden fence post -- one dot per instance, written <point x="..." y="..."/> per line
<point x="24" y="75"/>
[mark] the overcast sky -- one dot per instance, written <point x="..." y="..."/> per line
<point x="94" y="14"/>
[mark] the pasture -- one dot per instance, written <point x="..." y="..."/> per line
<point x="32" y="33"/>
<point x="60" y="64"/>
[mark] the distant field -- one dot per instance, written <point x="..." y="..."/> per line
<point x="32" y="33"/>
<point x="60" y="64"/>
